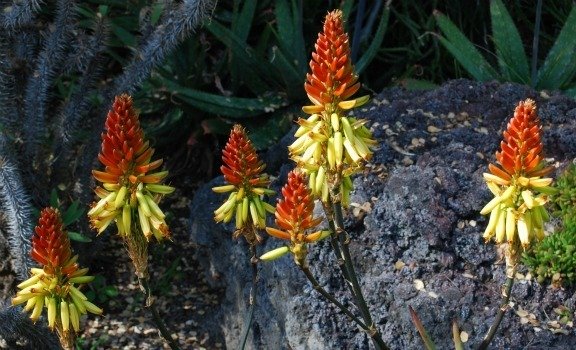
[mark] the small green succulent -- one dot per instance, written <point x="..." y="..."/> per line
<point x="553" y="259"/>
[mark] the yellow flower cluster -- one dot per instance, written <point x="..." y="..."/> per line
<point x="330" y="149"/>
<point x="65" y="303"/>
<point x="515" y="210"/>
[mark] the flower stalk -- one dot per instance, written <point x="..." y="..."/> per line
<point x="247" y="184"/>
<point x="130" y="192"/>
<point x="517" y="212"/>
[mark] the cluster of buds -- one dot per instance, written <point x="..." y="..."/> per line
<point x="128" y="190"/>
<point x="247" y="185"/>
<point x="329" y="145"/>
<point x="294" y="219"/>
<point x="55" y="286"/>
<point x="517" y="212"/>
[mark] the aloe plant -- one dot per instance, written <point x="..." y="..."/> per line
<point x="556" y="72"/>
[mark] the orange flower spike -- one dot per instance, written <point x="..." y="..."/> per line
<point x="294" y="212"/>
<point x="242" y="170"/>
<point x="50" y="245"/>
<point x="241" y="163"/>
<point x="332" y="78"/>
<point x="294" y="215"/>
<point x="522" y="145"/>
<point x="127" y="183"/>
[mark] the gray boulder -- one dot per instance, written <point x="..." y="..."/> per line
<point x="416" y="234"/>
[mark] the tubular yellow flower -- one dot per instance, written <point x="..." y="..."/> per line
<point x="127" y="181"/>
<point x="242" y="171"/>
<point x="520" y="192"/>
<point x="54" y="285"/>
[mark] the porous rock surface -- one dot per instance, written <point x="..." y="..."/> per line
<point x="415" y="229"/>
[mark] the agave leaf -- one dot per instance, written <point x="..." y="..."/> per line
<point x="258" y="72"/>
<point x="234" y="107"/>
<point x="376" y="43"/>
<point x="509" y="49"/>
<point x="242" y="20"/>
<point x="293" y="78"/>
<point x="289" y="29"/>
<point x="463" y="50"/>
<point x="559" y="67"/>
<point x="428" y="343"/>
<point x="291" y="47"/>
<point x="570" y="91"/>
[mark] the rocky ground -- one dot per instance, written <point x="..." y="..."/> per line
<point x="416" y="234"/>
<point x="416" y="238"/>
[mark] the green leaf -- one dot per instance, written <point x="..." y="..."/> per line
<point x="242" y="20"/>
<point x="428" y="343"/>
<point x="54" y="202"/>
<point x="559" y="67"/>
<point x="78" y="237"/>
<point x="376" y="43"/>
<point x="463" y="50"/>
<point x="265" y="132"/>
<point x="111" y="291"/>
<point x="290" y="34"/>
<point x="258" y="73"/>
<point x="290" y="74"/>
<point x="509" y="49"/>
<point x="156" y="12"/>
<point x="571" y="91"/>
<point x="73" y="213"/>
<point x="234" y="107"/>
<point x="127" y="38"/>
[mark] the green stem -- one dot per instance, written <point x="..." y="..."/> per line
<point x="329" y="211"/>
<point x="330" y="298"/>
<point x="506" y="291"/>
<point x="349" y="267"/>
<point x="252" y="301"/>
<point x="344" y="243"/>
<point x="145" y="285"/>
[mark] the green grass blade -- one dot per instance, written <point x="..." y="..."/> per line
<point x="509" y="49"/>
<point x="559" y="67"/>
<point x="463" y="50"/>
<point x="376" y="43"/>
<point x="233" y="107"/>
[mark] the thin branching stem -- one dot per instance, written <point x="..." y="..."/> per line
<point x="506" y="291"/>
<point x="252" y="301"/>
<point x="145" y="285"/>
<point x="329" y="212"/>
<point x="331" y="298"/>
<point x="349" y="266"/>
